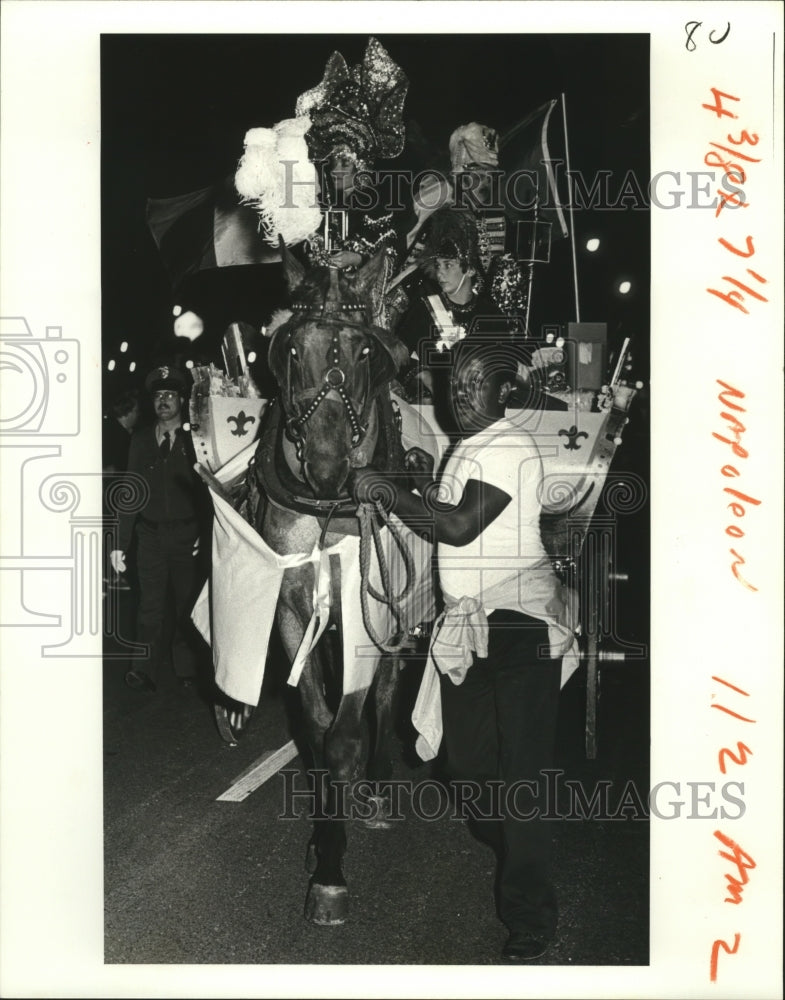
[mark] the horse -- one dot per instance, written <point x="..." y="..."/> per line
<point x="333" y="364"/>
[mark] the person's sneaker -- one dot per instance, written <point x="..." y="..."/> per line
<point x="524" y="946"/>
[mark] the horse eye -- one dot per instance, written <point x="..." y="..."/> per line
<point x="294" y="352"/>
<point x="366" y="350"/>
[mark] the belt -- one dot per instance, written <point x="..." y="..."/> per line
<point x="165" y="524"/>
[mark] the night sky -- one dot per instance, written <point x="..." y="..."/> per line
<point x="175" y="110"/>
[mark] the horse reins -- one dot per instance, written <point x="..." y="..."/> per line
<point x="334" y="380"/>
<point x="369" y="529"/>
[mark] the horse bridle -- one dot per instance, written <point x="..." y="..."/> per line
<point x="334" y="378"/>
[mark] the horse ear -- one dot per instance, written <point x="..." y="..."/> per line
<point x="293" y="270"/>
<point x="371" y="279"/>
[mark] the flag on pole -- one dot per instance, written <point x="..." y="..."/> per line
<point x="206" y="229"/>
<point x="530" y="169"/>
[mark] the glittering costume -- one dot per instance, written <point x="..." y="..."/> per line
<point x="474" y="149"/>
<point x="432" y="323"/>
<point x="427" y="329"/>
<point x="355" y="115"/>
<point x="357" y="111"/>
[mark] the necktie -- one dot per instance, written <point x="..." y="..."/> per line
<point x="165" y="445"/>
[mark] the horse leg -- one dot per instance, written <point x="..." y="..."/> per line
<point x="293" y="611"/>
<point x="343" y="747"/>
<point x="327" y="901"/>
<point x="328" y="896"/>
<point x="380" y="764"/>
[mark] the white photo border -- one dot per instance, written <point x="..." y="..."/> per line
<point x="709" y="630"/>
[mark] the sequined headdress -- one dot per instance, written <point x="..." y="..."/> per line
<point x="450" y="232"/>
<point x="357" y="111"/>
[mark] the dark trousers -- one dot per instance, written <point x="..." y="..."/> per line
<point x="499" y="726"/>
<point x="168" y="577"/>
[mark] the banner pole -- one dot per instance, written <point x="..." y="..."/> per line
<point x="530" y="290"/>
<point x="569" y="206"/>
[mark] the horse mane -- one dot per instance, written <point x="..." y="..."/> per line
<point x="278" y="318"/>
<point x="330" y="294"/>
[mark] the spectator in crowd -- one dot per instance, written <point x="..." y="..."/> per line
<point x="120" y="420"/>
<point x="166" y="532"/>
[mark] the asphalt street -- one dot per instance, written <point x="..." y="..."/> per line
<point x="189" y="879"/>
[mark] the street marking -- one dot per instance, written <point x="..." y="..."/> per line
<point x="257" y="773"/>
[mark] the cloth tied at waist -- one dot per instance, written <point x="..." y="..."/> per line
<point x="461" y="632"/>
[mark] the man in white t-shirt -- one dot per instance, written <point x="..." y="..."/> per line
<point x="500" y="640"/>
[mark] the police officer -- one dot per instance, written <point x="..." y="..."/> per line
<point x="166" y="531"/>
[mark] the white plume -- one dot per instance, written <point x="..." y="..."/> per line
<point x="276" y="177"/>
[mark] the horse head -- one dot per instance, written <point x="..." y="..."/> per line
<point x="330" y="359"/>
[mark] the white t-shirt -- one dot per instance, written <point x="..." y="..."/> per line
<point x="506" y="457"/>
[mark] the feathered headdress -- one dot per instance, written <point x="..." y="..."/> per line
<point x="276" y="177"/>
<point x="357" y="111"/>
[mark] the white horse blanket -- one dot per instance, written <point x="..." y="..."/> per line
<point x="236" y="609"/>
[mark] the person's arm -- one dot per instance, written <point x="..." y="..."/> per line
<point x="457" y="524"/>
<point x="454" y="524"/>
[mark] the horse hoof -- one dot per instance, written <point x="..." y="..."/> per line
<point x="382" y="809"/>
<point x="327" y="905"/>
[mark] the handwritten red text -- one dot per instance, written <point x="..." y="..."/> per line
<point x="733" y="157"/>
<point x="741" y="501"/>
<point x="742" y="861"/>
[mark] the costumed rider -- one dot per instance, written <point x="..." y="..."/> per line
<point x="451" y="301"/>
<point x="356" y="116"/>
<point x="307" y="177"/>
<point x="471" y="186"/>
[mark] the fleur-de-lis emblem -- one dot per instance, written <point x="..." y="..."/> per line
<point x="240" y="421"/>
<point x="573" y="434"/>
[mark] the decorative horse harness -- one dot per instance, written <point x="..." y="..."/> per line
<point x="334" y="378"/>
<point x="280" y="485"/>
<point x="282" y="488"/>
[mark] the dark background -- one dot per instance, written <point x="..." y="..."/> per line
<point x="175" y="110"/>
